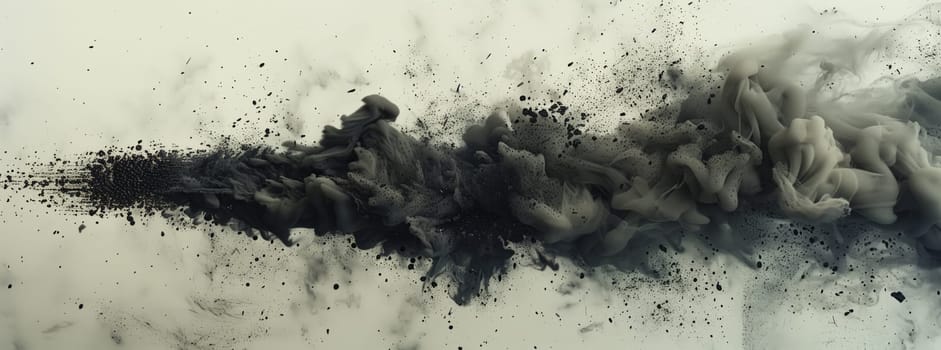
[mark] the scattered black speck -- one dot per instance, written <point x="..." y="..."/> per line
<point x="898" y="296"/>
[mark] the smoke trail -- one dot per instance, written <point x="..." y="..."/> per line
<point x="787" y="128"/>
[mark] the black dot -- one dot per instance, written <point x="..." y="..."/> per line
<point x="80" y="306"/>
<point x="10" y="286"/>
<point x="336" y="286"/>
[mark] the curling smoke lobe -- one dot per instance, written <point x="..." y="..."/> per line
<point x="786" y="125"/>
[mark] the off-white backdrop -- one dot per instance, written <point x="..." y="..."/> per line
<point x="76" y="75"/>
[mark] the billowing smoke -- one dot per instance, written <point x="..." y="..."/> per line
<point x="791" y="133"/>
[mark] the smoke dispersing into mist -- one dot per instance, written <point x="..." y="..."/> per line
<point x="788" y="135"/>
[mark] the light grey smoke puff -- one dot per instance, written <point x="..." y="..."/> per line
<point x="830" y="157"/>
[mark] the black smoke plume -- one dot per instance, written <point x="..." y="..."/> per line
<point x="778" y="137"/>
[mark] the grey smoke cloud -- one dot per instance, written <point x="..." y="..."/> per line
<point x="540" y="174"/>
